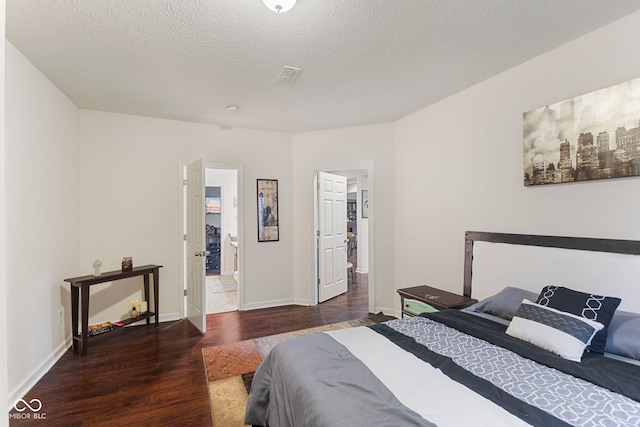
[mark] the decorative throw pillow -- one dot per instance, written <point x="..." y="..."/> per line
<point x="564" y="334"/>
<point x="505" y="303"/>
<point x="589" y="306"/>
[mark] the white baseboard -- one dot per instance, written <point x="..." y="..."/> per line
<point x="387" y="311"/>
<point x="169" y="317"/>
<point x="268" y="304"/>
<point x="302" y="301"/>
<point x="163" y="318"/>
<point x="36" y="375"/>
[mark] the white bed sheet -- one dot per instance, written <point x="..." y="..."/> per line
<point x="419" y="386"/>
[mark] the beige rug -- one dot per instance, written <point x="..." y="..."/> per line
<point x="218" y="284"/>
<point x="230" y="369"/>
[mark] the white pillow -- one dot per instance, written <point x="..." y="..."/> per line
<point x="562" y="333"/>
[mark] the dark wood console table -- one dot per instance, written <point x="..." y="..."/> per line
<point x="80" y="296"/>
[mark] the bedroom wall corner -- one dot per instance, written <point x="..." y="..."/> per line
<point x="4" y="342"/>
<point x="43" y="239"/>
<point x="362" y="146"/>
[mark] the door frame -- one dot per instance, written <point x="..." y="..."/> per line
<point x="336" y="169"/>
<point x="182" y="230"/>
<point x="337" y="243"/>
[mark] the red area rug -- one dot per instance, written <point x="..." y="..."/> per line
<point x="230" y="367"/>
<point x="224" y="361"/>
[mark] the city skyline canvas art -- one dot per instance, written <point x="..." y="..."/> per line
<point x="589" y="137"/>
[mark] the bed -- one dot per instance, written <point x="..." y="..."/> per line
<point x="558" y="349"/>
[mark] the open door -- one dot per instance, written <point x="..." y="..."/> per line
<point x="332" y="235"/>
<point x="195" y="246"/>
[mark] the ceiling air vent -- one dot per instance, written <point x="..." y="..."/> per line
<point x="288" y="75"/>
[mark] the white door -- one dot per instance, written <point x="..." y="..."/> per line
<point x="332" y="227"/>
<point x="196" y="255"/>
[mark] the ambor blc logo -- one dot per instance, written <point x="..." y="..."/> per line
<point x="21" y="405"/>
<point x="34" y="405"/>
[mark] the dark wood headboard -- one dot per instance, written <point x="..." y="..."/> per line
<point x="631" y="247"/>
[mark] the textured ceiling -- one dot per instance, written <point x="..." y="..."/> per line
<point x="362" y="61"/>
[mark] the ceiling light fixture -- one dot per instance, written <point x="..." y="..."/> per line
<point x="279" y="6"/>
<point x="232" y="108"/>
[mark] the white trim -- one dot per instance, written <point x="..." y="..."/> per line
<point x="36" y="375"/>
<point x="268" y="304"/>
<point x="388" y="311"/>
<point x="302" y="301"/>
<point x="238" y="167"/>
<point x="171" y="317"/>
<point x="240" y="211"/>
<point x="163" y="318"/>
<point x="332" y="168"/>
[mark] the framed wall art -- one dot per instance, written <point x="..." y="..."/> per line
<point x="268" y="218"/>
<point x="212" y="204"/>
<point x="592" y="136"/>
<point x="365" y="203"/>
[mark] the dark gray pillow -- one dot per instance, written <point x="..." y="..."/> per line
<point x="623" y="338"/>
<point x="590" y="306"/>
<point x="505" y="303"/>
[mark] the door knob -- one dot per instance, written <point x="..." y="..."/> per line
<point x="202" y="253"/>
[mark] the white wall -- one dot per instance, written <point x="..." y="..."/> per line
<point x="4" y="386"/>
<point x="364" y="147"/>
<point x="131" y="203"/>
<point x="459" y="162"/>
<point x="42" y="214"/>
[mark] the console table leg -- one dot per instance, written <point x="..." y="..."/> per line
<point x="85" y="319"/>
<point x="156" y="294"/>
<point x="75" y="302"/>
<point x="146" y="292"/>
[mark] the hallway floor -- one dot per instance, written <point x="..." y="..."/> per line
<point x="222" y="294"/>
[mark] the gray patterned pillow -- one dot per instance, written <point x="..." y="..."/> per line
<point x="564" y="334"/>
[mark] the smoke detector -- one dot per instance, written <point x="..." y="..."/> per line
<point x="232" y="108"/>
<point x="288" y="75"/>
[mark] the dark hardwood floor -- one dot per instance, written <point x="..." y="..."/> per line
<point x="142" y="376"/>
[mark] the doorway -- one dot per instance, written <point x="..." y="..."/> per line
<point x="358" y="227"/>
<point x="221" y="237"/>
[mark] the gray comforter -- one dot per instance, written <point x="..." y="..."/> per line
<point x="314" y="371"/>
<point x="446" y="368"/>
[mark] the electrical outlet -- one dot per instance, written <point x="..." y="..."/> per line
<point x="61" y="316"/>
